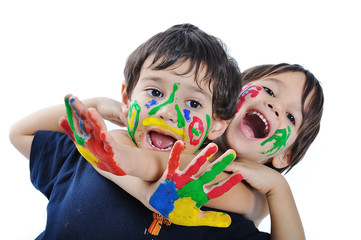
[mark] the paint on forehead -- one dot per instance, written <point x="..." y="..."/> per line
<point x="180" y="118"/>
<point x="186" y="114"/>
<point x="151" y="103"/>
<point x="152" y="121"/>
<point x="133" y="119"/>
<point x="280" y="140"/>
<point x="250" y="89"/>
<point x="169" y="101"/>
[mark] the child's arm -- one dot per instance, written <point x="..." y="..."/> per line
<point x="285" y="220"/>
<point x="22" y="132"/>
<point x="143" y="163"/>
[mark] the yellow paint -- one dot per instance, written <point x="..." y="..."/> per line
<point x="162" y="125"/>
<point x="88" y="155"/>
<point x="185" y="213"/>
<point x="132" y="119"/>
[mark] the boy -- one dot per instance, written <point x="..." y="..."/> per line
<point x="82" y="204"/>
<point x="279" y="119"/>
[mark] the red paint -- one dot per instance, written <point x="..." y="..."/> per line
<point x="64" y="124"/>
<point x="173" y="162"/>
<point x="249" y="91"/>
<point x="220" y="190"/>
<point x="97" y="144"/>
<point x="193" y="141"/>
<point x="186" y="177"/>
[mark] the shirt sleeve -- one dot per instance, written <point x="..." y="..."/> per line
<point x="50" y="154"/>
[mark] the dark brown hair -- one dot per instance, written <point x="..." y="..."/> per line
<point x="187" y="42"/>
<point x="311" y="113"/>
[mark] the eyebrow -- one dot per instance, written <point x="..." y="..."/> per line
<point x="274" y="80"/>
<point x="193" y="88"/>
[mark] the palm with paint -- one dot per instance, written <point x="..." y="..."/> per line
<point x="182" y="193"/>
<point x="88" y="131"/>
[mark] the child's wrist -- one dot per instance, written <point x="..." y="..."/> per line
<point x="280" y="186"/>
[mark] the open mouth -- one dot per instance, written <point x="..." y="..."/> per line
<point x="256" y="124"/>
<point x="160" y="141"/>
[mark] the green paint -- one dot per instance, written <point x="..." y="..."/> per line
<point x="131" y="129"/>
<point x="195" y="132"/>
<point x="170" y="100"/>
<point x="216" y="169"/>
<point x="79" y="140"/>
<point x="208" y="119"/>
<point x="180" y="119"/>
<point x="280" y="139"/>
<point x="194" y="189"/>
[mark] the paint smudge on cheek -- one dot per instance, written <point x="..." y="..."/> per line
<point x="249" y="90"/>
<point x="180" y="118"/>
<point x="151" y="103"/>
<point x="133" y="119"/>
<point x="195" y="131"/>
<point x="280" y="141"/>
<point x="186" y="114"/>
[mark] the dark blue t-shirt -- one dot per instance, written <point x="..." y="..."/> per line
<point x="85" y="205"/>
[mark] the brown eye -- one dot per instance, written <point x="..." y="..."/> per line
<point x="193" y="104"/>
<point x="155" y="93"/>
<point x="291" y="118"/>
<point x="269" y="91"/>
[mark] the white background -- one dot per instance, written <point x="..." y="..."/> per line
<point x="51" y="48"/>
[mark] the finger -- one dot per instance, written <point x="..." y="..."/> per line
<point x="186" y="214"/>
<point x="79" y="110"/>
<point x="96" y="121"/>
<point x="224" y="186"/>
<point x="173" y="162"/>
<point x="217" y="167"/>
<point x="196" y="164"/>
<point x="69" y="113"/>
<point x="64" y="124"/>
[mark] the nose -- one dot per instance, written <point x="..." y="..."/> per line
<point x="275" y="108"/>
<point x="167" y="113"/>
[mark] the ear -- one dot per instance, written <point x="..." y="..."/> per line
<point x="217" y="128"/>
<point x="125" y="100"/>
<point x="281" y="160"/>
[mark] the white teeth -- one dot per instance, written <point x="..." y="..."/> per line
<point x="262" y="118"/>
<point x="161" y="149"/>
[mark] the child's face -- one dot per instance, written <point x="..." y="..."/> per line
<point x="166" y="106"/>
<point x="268" y="117"/>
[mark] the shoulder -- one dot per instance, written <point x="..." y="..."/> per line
<point x="121" y="136"/>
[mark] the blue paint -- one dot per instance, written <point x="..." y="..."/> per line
<point x="151" y="103"/>
<point x="186" y="114"/>
<point x="164" y="197"/>
<point x="246" y="90"/>
<point x="81" y="122"/>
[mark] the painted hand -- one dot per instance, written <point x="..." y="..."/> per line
<point x="88" y="131"/>
<point x="181" y="195"/>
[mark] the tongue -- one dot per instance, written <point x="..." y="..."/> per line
<point x="249" y="131"/>
<point x="161" y="141"/>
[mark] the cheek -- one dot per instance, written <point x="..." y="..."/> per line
<point x="133" y="119"/>
<point x="277" y="142"/>
<point x="249" y="91"/>
<point x="198" y="130"/>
